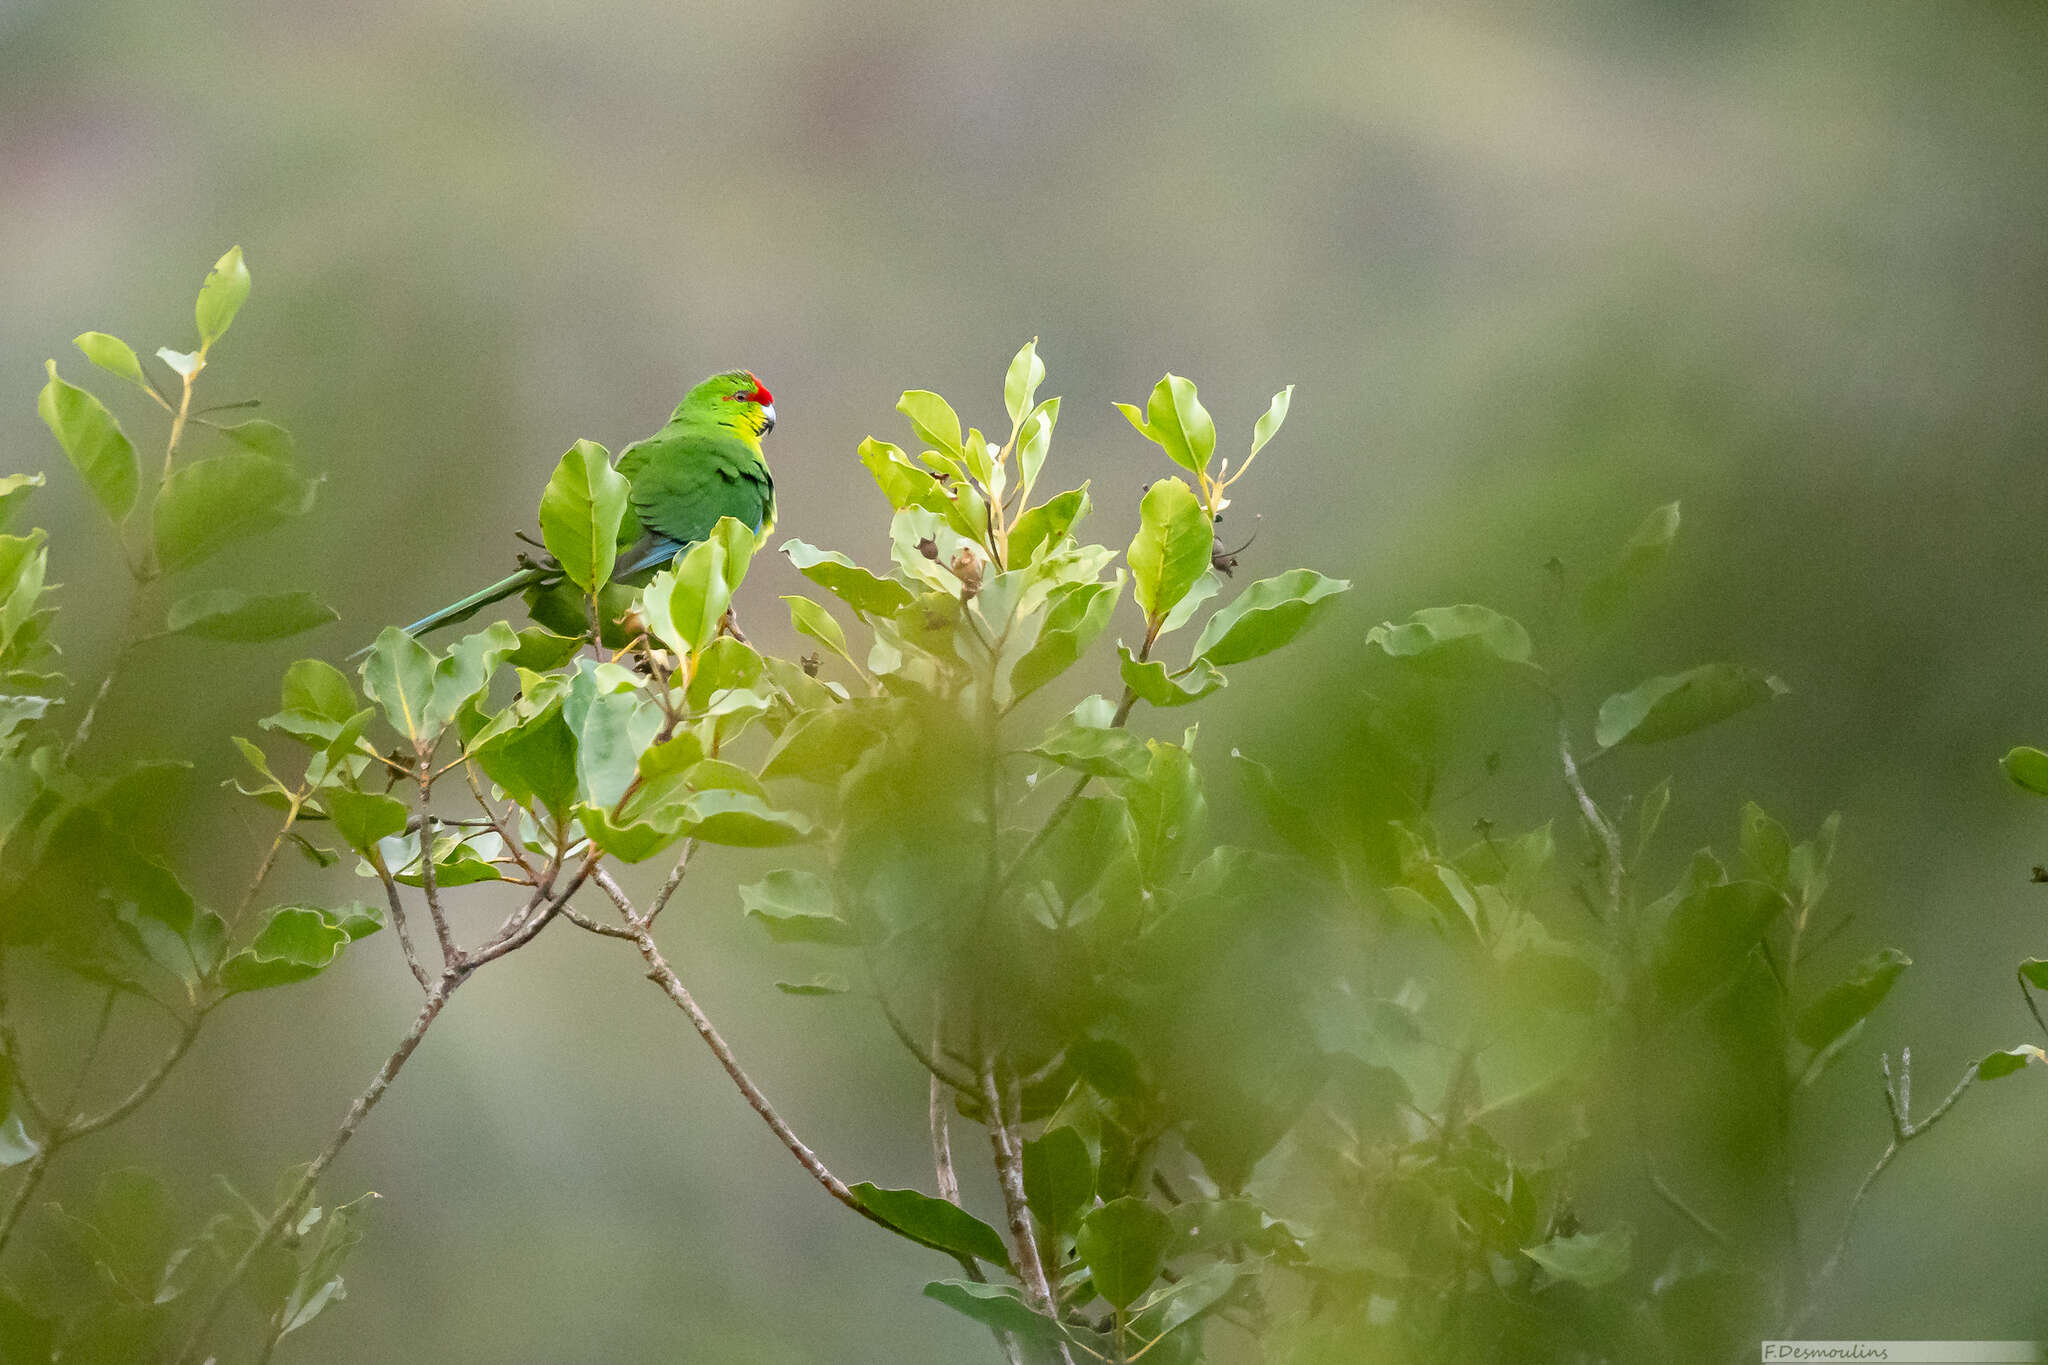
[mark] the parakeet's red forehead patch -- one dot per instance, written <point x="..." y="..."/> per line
<point x="758" y="394"/>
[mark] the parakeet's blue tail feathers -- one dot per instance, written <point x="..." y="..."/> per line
<point x="475" y="602"/>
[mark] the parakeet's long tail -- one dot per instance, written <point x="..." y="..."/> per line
<point x="475" y="602"/>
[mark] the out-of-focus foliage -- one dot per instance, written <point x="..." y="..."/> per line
<point x="97" y="909"/>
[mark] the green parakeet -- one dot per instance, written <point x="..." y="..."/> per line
<point x="706" y="463"/>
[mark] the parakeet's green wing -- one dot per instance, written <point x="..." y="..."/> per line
<point x="681" y="497"/>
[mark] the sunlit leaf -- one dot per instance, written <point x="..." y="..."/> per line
<point x="935" y="1222"/>
<point x="221" y="297"/>
<point x="1590" y="1259"/>
<point x="580" y="513"/>
<point x="1267" y="615"/>
<point x="1453" y="634"/>
<point x="97" y="447"/>
<point x="1124" y="1244"/>
<point x="207" y="505"/>
<point x="1171" y="549"/>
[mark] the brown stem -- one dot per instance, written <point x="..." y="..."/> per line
<point x="397" y="903"/>
<point x="451" y="956"/>
<point x="437" y="996"/>
<point x="32" y="1177"/>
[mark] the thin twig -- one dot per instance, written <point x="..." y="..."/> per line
<point x="451" y="956"/>
<point x="1898" y="1098"/>
<point x="397" y="902"/>
<point x="437" y="997"/>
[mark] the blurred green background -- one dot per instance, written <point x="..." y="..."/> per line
<point x="1533" y="269"/>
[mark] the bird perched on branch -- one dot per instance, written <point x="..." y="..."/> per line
<point x="705" y="463"/>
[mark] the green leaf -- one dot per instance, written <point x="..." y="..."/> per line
<point x="1020" y="383"/>
<point x="533" y="759"/>
<point x="1209" y="1226"/>
<point x="851" y="584"/>
<point x="1176" y="422"/>
<point x="612" y="728"/>
<point x="821" y="746"/>
<point x="97" y="447"/>
<point x="465" y="671"/>
<point x="1177" y="1304"/>
<point x="1059" y="1176"/>
<point x="294" y="944"/>
<point x="1590" y="1259"/>
<point x="2008" y="1061"/>
<point x="1607" y="595"/>
<point x="1156" y="686"/>
<point x="1043" y="527"/>
<point x="580" y="513"/>
<point x="2027" y="767"/>
<point x="399" y="676"/>
<point x="1034" y="441"/>
<point x="1102" y="752"/>
<point x="1452" y="634"/>
<point x="1172" y="547"/>
<point x="796" y="907"/>
<point x="221" y="297"/>
<point x="813" y="620"/>
<point x="1267" y="615"/>
<point x="1000" y="1307"/>
<point x="14" y="491"/>
<point x="822" y="984"/>
<point x="242" y="618"/>
<point x="1665" y="708"/>
<point x="264" y="438"/>
<point x="934" y="420"/>
<point x="1268" y="425"/>
<point x="934" y="1222"/>
<point x="685" y="605"/>
<point x="207" y="505"/>
<point x="1076" y="614"/>
<point x="1709" y="933"/>
<point x="1124" y="1245"/>
<point x="364" y="818"/>
<point x="1845" y="1004"/>
<point x="113" y="355"/>
<point x="743" y="820"/>
<point x="184" y="363"/>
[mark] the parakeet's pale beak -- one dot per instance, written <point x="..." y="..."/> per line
<point x="768" y="416"/>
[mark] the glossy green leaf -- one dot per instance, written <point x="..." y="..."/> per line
<point x="934" y="1222"/>
<point x="934" y="420"/>
<point x="113" y="355"/>
<point x="1124" y="1244"/>
<point x="399" y="676"/>
<point x="1267" y="615"/>
<point x="364" y="818"/>
<point x="1175" y="421"/>
<point x="580" y="513"/>
<point x="1157" y="687"/>
<point x="1667" y="707"/>
<point x="294" y="944"/>
<point x="97" y="447"/>
<point x="208" y="505"/>
<point x="1453" y="634"/>
<point x="1042" y="528"/>
<point x="533" y="759"/>
<point x="813" y="620"/>
<point x="243" y="618"/>
<point x="1268" y="425"/>
<point x="851" y="584"/>
<point x="264" y="438"/>
<point x="822" y="745"/>
<point x="1845" y="1004"/>
<point x="1034" y="443"/>
<point x="222" y="296"/>
<point x="1172" y="547"/>
<point x="1590" y="1259"/>
<point x="1075" y="617"/>
<point x="2027" y="768"/>
<point x="1021" y="381"/>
